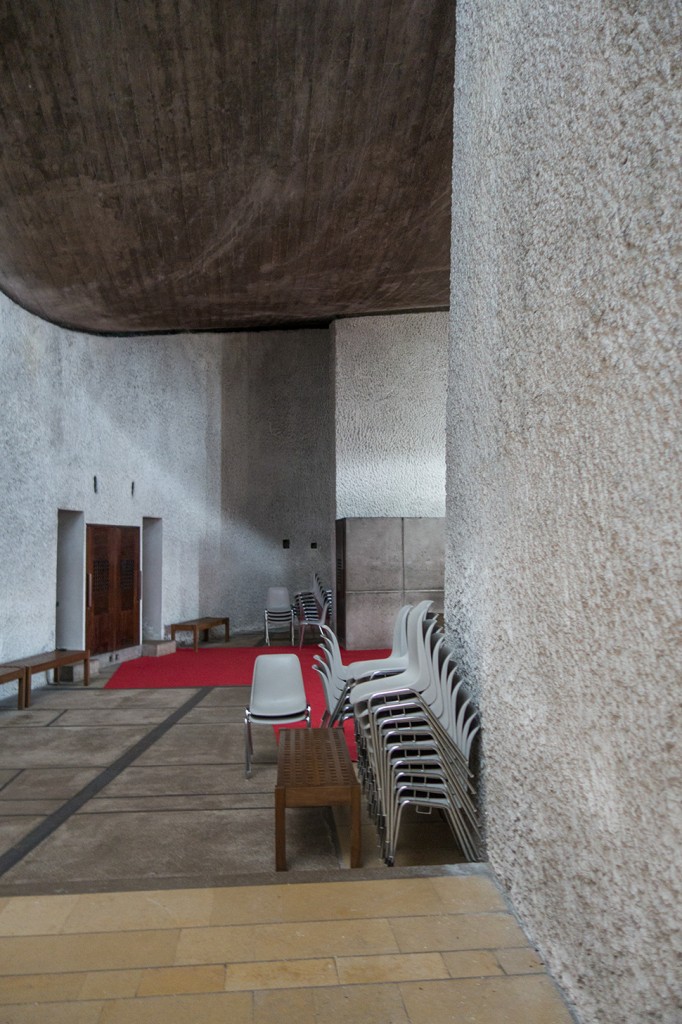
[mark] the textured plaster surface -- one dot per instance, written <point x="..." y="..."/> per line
<point x="121" y="409"/>
<point x="278" y="465"/>
<point x="160" y="411"/>
<point x="391" y="374"/>
<point x="562" y="575"/>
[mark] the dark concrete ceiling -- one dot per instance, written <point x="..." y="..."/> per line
<point x="191" y="164"/>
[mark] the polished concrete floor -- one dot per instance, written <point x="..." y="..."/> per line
<point x="137" y="883"/>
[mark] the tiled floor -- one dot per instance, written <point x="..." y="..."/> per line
<point x="137" y="885"/>
<point x="419" y="950"/>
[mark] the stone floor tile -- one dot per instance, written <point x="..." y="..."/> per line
<point x="111" y="848"/>
<point x="209" y="1008"/>
<point x="50" y="783"/>
<point x="39" y="988"/>
<point x="361" y="1004"/>
<point x="6" y="775"/>
<point x="85" y="697"/>
<point x="53" y="1013"/>
<point x="225" y="802"/>
<point x="283" y="1006"/>
<point x="137" y="911"/>
<point x="94" y="952"/>
<point x="176" y="780"/>
<point x="111" y="717"/>
<point x="519" y="961"/>
<point x="456" y="931"/>
<point x="227" y="696"/>
<point x="14" y="828"/>
<point x="197" y="744"/>
<point x="110" y="984"/>
<point x="31" y="717"/>
<point x="472" y="963"/>
<point x="381" y="898"/>
<point x="36" y="915"/>
<point x="28" y="808"/>
<point x="67" y="747"/>
<point x="358" y="970"/>
<point x="277" y="941"/>
<point x="520" y="1000"/>
<point x="161" y="981"/>
<point x="299" y="973"/>
<point x="468" y="894"/>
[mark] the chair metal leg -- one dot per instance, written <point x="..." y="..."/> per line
<point x="248" y="745"/>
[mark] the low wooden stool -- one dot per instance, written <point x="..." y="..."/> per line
<point x="314" y="769"/>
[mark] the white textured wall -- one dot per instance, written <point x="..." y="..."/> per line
<point x="229" y="440"/>
<point x="562" y="580"/>
<point x="74" y="406"/>
<point x="391" y="374"/>
<point x="278" y="467"/>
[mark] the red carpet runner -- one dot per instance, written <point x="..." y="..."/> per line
<point x="227" y="666"/>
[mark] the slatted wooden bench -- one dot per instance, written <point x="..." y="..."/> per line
<point x="201" y="625"/>
<point x="314" y="769"/>
<point x="11" y="674"/>
<point x="50" y="661"/>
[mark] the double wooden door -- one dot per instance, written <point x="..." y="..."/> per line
<point x="112" y="618"/>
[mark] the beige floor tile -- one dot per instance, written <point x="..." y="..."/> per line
<point x="277" y="941"/>
<point x="53" y="1013"/>
<point x="133" y="911"/>
<point x="163" y="981"/>
<point x="355" y="970"/>
<point x="468" y="894"/>
<point x="35" y="915"/>
<point x="519" y="961"/>
<point x="323" y="900"/>
<point x="471" y="963"/>
<point x="456" y="931"/>
<point x="527" y="1000"/>
<point x="283" y="1007"/>
<point x="29" y="955"/>
<point x="39" y="988"/>
<point x="309" y="973"/>
<point x="211" y="1008"/>
<point x="110" y="984"/>
<point x="361" y="1004"/>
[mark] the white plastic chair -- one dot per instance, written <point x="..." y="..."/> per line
<point x="278" y="612"/>
<point x="277" y="697"/>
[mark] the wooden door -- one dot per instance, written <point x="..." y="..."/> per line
<point x="113" y="588"/>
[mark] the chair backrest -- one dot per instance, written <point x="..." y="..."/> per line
<point x="277" y="688"/>
<point x="277" y="599"/>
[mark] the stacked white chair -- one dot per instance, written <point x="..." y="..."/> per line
<point x="279" y="613"/>
<point x="337" y="678"/>
<point x="415" y="732"/>
<point x="313" y="608"/>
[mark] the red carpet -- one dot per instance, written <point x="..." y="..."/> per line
<point x="227" y="666"/>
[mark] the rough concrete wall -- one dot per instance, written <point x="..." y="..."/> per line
<point x="391" y="374"/>
<point x="563" y="500"/>
<point x="74" y="406"/>
<point x="278" y="468"/>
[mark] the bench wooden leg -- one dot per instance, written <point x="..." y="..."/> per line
<point x="86" y="671"/>
<point x="27" y="689"/>
<point x="280" y="829"/>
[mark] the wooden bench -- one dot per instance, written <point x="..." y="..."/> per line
<point x="11" y="674"/>
<point x="50" y="660"/>
<point x="314" y="769"/>
<point x="202" y="625"/>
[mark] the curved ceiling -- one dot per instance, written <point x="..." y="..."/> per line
<point x="186" y="164"/>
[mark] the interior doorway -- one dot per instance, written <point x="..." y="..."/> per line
<point x="152" y="611"/>
<point x="113" y="587"/>
<point x="70" y="607"/>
